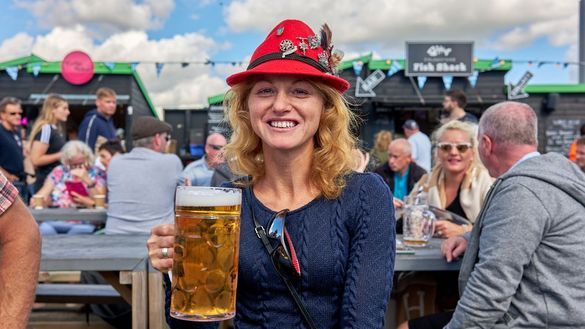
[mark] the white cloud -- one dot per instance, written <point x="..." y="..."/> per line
<point x="389" y="23"/>
<point x="176" y="86"/>
<point x="18" y="45"/>
<point x="560" y="32"/>
<point x="105" y="16"/>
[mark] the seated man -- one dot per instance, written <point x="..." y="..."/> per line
<point x="400" y="172"/>
<point x="524" y="259"/>
<point x="141" y="183"/>
<point x="199" y="173"/>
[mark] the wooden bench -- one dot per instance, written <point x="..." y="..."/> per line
<point x="77" y="293"/>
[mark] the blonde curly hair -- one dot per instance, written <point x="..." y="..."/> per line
<point x="332" y="158"/>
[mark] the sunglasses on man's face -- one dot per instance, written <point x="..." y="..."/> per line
<point x="284" y="255"/>
<point x="216" y="147"/>
<point x="447" y="147"/>
<point x="15" y="114"/>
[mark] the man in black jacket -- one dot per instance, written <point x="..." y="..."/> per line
<point x="400" y="172"/>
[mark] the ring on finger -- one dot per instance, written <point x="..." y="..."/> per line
<point x="165" y="252"/>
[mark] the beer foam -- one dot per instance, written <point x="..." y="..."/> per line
<point x="207" y="197"/>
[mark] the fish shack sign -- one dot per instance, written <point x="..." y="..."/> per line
<point x="435" y="59"/>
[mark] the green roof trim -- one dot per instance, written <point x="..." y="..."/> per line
<point x="21" y="61"/>
<point x="560" y="88"/>
<point x="349" y="63"/>
<point x="98" y="67"/>
<point x="486" y="65"/>
<point x="385" y="64"/>
<point x="145" y="93"/>
<point x="216" y="99"/>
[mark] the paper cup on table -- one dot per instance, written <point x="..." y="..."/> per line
<point x="38" y="201"/>
<point x="100" y="200"/>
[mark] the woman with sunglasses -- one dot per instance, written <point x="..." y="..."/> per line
<point x="458" y="182"/>
<point x="47" y="137"/>
<point x="292" y="139"/>
<point x="72" y="184"/>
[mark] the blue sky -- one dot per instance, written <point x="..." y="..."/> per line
<point x="192" y="30"/>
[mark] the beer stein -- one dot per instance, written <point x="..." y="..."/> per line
<point x="418" y="222"/>
<point x="205" y="262"/>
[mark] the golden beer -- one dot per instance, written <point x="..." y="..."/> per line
<point x="205" y="262"/>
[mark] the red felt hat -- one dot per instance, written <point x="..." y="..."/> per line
<point x="293" y="48"/>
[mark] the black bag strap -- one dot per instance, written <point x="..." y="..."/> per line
<point x="261" y="234"/>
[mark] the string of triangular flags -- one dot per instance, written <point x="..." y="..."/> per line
<point x="395" y="66"/>
<point x="12" y="71"/>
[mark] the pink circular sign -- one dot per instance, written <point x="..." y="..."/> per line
<point x="77" y="68"/>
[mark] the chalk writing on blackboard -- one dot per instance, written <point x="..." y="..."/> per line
<point x="560" y="133"/>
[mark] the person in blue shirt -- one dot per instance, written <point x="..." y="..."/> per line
<point x="199" y="173"/>
<point x="292" y="138"/>
<point x="11" y="156"/>
<point x="99" y="122"/>
<point x="400" y="172"/>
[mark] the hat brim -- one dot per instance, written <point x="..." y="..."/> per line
<point x="289" y="67"/>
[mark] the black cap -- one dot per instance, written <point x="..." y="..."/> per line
<point x="144" y="126"/>
<point x="410" y="124"/>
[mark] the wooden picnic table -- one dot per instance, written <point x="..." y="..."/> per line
<point x="121" y="259"/>
<point x="88" y="214"/>
<point x="427" y="258"/>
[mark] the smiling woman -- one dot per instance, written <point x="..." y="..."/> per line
<point x="458" y="182"/>
<point x="291" y="137"/>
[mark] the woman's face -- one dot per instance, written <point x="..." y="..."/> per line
<point x="285" y="112"/>
<point x="61" y="112"/>
<point x="455" y="160"/>
<point x="105" y="157"/>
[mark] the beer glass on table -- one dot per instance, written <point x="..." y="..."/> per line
<point x="418" y="222"/>
<point x="205" y="262"/>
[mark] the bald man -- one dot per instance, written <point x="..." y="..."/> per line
<point x="525" y="257"/>
<point x="400" y="172"/>
<point x="199" y="173"/>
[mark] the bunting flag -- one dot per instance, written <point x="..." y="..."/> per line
<point x="36" y="68"/>
<point x="421" y="82"/>
<point x="473" y="78"/>
<point x="357" y="67"/>
<point x="159" y="67"/>
<point x="110" y="65"/>
<point x="394" y="68"/>
<point x="540" y="64"/>
<point x="447" y="81"/>
<point x="133" y="66"/>
<point x="184" y="64"/>
<point x="495" y="62"/>
<point x="565" y="65"/>
<point x="12" y="72"/>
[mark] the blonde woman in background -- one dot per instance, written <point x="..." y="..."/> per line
<point x="458" y="182"/>
<point x="379" y="153"/>
<point x="47" y="137"/>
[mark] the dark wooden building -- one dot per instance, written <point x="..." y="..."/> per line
<point x="561" y="108"/>
<point x="32" y="89"/>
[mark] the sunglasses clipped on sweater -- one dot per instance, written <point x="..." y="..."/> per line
<point x="447" y="147"/>
<point x="283" y="256"/>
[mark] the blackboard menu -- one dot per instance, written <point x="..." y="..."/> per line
<point x="560" y="133"/>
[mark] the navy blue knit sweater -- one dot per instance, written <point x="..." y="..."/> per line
<point x="346" y="249"/>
